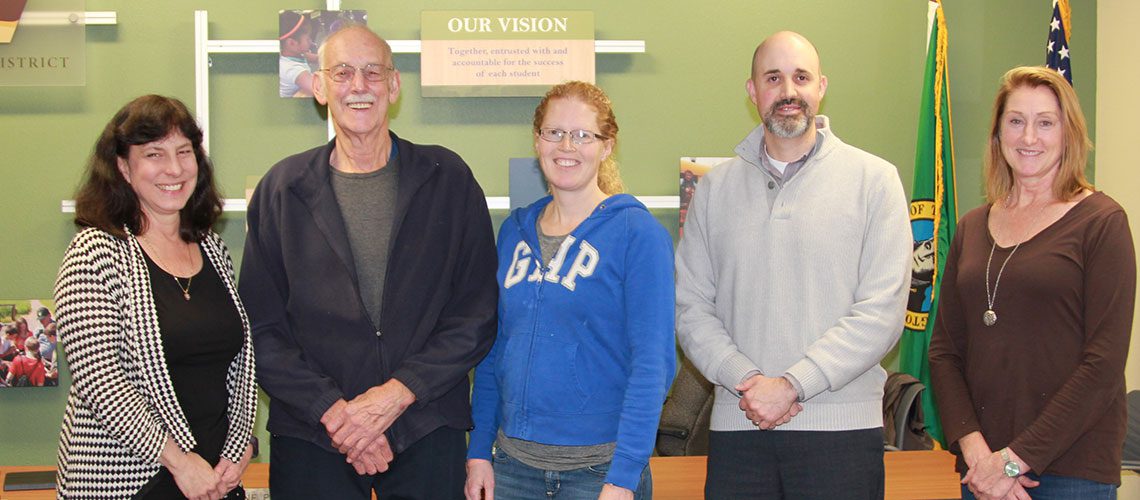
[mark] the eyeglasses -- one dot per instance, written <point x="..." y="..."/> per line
<point x="372" y="72"/>
<point x="578" y="137"/>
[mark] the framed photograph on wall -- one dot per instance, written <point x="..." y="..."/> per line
<point x="29" y="354"/>
<point x="691" y="170"/>
<point x="300" y="33"/>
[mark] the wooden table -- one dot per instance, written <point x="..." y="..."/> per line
<point x="910" y="474"/>
<point x="921" y="474"/>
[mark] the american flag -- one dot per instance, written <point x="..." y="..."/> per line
<point x="1057" y="52"/>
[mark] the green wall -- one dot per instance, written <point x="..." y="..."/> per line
<point x="684" y="96"/>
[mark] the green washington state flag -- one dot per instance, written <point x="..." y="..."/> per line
<point x="933" y="215"/>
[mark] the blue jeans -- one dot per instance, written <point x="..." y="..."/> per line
<point x="515" y="480"/>
<point x="1062" y="488"/>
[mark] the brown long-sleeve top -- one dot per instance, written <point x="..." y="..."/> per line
<point x="1047" y="379"/>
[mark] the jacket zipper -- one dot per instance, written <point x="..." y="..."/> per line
<point x="530" y="348"/>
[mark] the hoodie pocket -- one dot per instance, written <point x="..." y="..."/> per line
<point x="541" y="374"/>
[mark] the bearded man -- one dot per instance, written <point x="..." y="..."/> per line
<point x="792" y="282"/>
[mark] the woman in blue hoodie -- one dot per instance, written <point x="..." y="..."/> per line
<point x="567" y="402"/>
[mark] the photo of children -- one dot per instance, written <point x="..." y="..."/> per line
<point x="300" y="32"/>
<point x="28" y="345"/>
<point x="692" y="169"/>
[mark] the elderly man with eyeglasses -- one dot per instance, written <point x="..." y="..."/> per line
<point x="369" y="279"/>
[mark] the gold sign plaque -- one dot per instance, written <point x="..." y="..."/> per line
<point x="504" y="53"/>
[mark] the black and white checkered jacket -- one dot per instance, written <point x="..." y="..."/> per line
<point x="121" y="406"/>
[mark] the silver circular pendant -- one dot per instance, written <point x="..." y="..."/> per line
<point x="989" y="317"/>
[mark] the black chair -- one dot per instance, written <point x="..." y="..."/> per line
<point x="684" y="427"/>
<point x="904" y="427"/>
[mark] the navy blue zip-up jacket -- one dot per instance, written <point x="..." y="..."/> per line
<point x="314" y="341"/>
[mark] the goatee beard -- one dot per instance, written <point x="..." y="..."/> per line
<point x="788" y="127"/>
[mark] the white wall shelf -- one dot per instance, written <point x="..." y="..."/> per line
<point x="399" y="46"/>
<point x="493" y="203"/>
<point x="58" y="18"/>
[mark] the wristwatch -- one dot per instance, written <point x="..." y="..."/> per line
<point x="1011" y="467"/>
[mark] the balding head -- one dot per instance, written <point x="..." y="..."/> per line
<point x="787" y="41"/>
<point x="354" y="34"/>
<point x="358" y="104"/>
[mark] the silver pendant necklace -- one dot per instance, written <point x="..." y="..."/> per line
<point x="989" y="318"/>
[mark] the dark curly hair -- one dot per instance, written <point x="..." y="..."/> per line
<point x="106" y="201"/>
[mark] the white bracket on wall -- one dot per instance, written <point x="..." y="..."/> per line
<point x="493" y="203"/>
<point x="49" y="18"/>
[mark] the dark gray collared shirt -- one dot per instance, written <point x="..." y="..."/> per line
<point x="794" y="166"/>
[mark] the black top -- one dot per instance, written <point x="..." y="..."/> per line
<point x="200" y="338"/>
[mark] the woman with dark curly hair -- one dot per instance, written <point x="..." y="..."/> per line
<point x="162" y="398"/>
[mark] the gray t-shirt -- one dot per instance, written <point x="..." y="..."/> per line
<point x="368" y="204"/>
